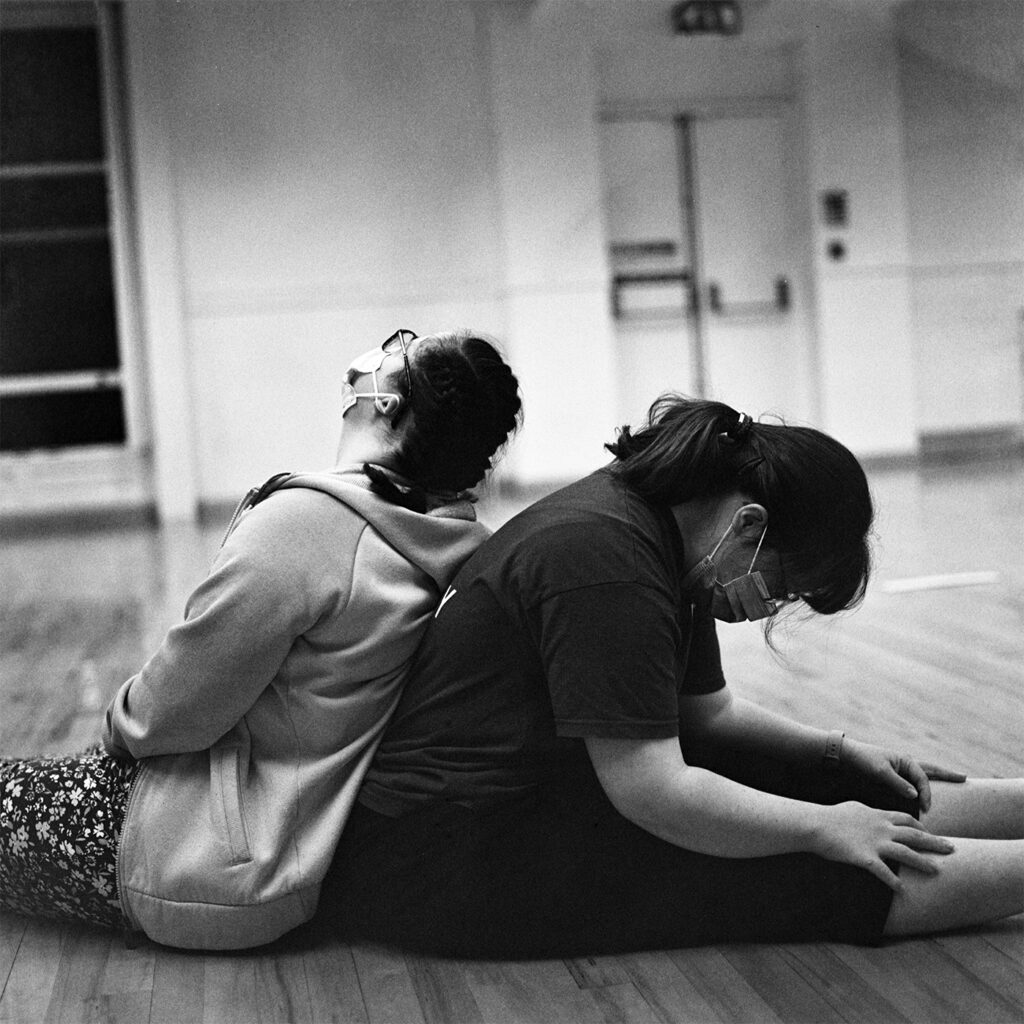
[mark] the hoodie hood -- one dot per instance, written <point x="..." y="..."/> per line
<point x="438" y="541"/>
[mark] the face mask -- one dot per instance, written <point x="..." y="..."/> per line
<point x="386" y="402"/>
<point x="748" y="595"/>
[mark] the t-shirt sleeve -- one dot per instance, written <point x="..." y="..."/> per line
<point x="610" y="656"/>
<point x="700" y="667"/>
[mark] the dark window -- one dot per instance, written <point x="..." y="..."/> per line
<point x="57" y="308"/>
<point x="61" y="420"/>
<point x="50" y="96"/>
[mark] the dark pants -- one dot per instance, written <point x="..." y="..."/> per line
<point x="562" y="873"/>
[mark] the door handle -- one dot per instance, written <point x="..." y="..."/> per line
<point x="778" y="304"/>
<point x="621" y="281"/>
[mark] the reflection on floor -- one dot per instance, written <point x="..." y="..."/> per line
<point x="935" y="671"/>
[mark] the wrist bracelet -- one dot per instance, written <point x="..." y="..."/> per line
<point x="834" y="749"/>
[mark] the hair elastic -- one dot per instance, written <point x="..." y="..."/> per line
<point x="739" y="431"/>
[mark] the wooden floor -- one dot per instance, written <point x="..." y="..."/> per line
<point x="935" y="671"/>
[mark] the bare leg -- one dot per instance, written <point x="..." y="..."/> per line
<point x="977" y="808"/>
<point x="982" y="880"/>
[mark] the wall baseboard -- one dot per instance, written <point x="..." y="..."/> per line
<point x="956" y="446"/>
<point x="50" y="522"/>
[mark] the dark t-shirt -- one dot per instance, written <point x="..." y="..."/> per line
<point x="569" y="622"/>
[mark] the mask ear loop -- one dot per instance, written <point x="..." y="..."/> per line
<point x="714" y="550"/>
<point x="387" y="403"/>
<point x="757" y="550"/>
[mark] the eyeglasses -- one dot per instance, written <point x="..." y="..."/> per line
<point x="400" y="341"/>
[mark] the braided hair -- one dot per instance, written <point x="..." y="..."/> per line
<point x="817" y="496"/>
<point x="465" y="405"/>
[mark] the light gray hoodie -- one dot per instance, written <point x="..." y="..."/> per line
<point x="257" y="717"/>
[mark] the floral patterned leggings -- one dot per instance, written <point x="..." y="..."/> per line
<point x="60" y="821"/>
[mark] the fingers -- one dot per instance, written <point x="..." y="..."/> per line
<point x="912" y="859"/>
<point x="940" y="774"/>
<point x="918" y="839"/>
<point x="917" y="783"/>
<point x="885" y="874"/>
<point x="910" y="845"/>
<point x="913" y="847"/>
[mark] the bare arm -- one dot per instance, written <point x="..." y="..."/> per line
<point x="734" y="722"/>
<point x="649" y="783"/>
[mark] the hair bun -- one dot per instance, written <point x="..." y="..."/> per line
<point x="465" y="404"/>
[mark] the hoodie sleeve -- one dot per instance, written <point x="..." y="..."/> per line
<point x="267" y="587"/>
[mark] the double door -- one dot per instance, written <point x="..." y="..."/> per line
<point x="705" y="287"/>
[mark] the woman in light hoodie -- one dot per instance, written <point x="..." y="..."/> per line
<point x="232" y="759"/>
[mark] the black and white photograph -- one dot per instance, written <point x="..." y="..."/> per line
<point x="512" y="511"/>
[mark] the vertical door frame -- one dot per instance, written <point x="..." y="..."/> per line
<point x="122" y="228"/>
<point x="686" y="168"/>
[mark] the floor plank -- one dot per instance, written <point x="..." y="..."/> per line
<point x="33" y="970"/>
<point x="530" y="992"/>
<point x="1006" y="936"/>
<point x="772" y="974"/>
<point x="730" y="995"/>
<point x="442" y="988"/>
<point x="335" y="996"/>
<point x="12" y="930"/>
<point x="845" y="991"/>
<point x="229" y="990"/>
<point x="282" y="991"/>
<point x="386" y="984"/>
<point x="1001" y="977"/>
<point x="621" y="1003"/>
<point x="178" y="987"/>
<point x="669" y="993"/>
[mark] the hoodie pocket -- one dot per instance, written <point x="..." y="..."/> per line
<point x="225" y="772"/>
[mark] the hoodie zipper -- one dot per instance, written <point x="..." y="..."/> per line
<point x="132" y="929"/>
<point x="239" y="508"/>
<point x="251" y="497"/>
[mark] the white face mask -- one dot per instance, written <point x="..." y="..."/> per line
<point x="387" y="402"/>
<point x="748" y="595"/>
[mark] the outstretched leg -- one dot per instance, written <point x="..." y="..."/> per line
<point x="981" y="880"/>
<point x="977" y="808"/>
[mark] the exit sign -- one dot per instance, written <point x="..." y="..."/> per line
<point x="707" y="17"/>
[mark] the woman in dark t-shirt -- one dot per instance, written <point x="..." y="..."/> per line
<point x="567" y="772"/>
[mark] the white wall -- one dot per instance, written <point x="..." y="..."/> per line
<point x="332" y="174"/>
<point x="855" y="134"/>
<point x="334" y="171"/>
<point x="555" y="278"/>
<point x="962" y="85"/>
<point x="311" y="176"/>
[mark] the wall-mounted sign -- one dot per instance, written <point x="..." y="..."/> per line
<point x="835" y="207"/>
<point x="707" y="17"/>
<point x="642" y="250"/>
